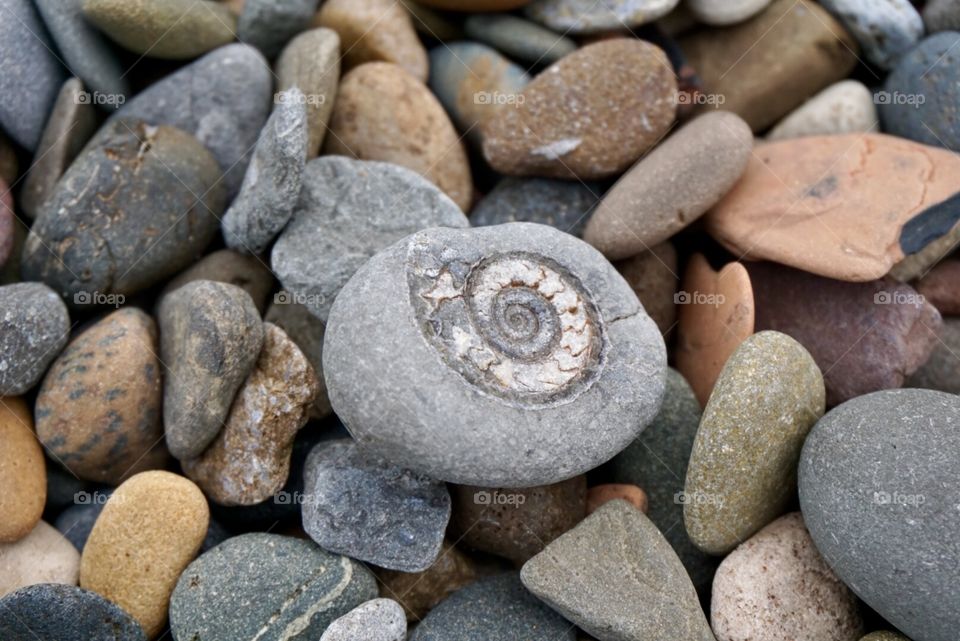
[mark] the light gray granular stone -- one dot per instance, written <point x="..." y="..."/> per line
<point x="34" y="327"/>
<point x="376" y="620"/>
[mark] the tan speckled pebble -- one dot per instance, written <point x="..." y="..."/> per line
<point x="23" y="482"/>
<point x="148" y="532"/>
<point x="43" y="556"/>
<point x="777" y="587"/>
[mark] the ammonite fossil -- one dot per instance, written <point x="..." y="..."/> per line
<point x="510" y="355"/>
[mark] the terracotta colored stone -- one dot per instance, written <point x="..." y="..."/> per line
<point x="23" y="476"/>
<point x="672" y="186"/>
<point x="765" y="67"/>
<point x="793" y="205"/>
<point x="715" y="315"/>
<point x="311" y="62"/>
<point x="653" y="276"/>
<point x="864" y="336"/>
<point x="600" y="494"/>
<point x="384" y="113"/>
<point x="149" y="531"/>
<point x="941" y="287"/>
<point x="249" y="460"/>
<point x="98" y="409"/>
<point x="43" y="556"/>
<point x="577" y="121"/>
<point x="516" y="523"/>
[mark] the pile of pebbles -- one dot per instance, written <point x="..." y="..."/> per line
<point x="479" y="320"/>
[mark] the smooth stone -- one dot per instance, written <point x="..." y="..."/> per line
<point x="715" y="315"/>
<point x="475" y="84"/>
<point x="249" y="460"/>
<point x="364" y="507"/>
<point x="941" y="15"/>
<point x="496" y="608"/>
<point x="657" y="460"/>
<point x="879" y="481"/>
<point x="311" y="62"/>
<point x="564" y="204"/>
<point x="842" y="108"/>
<point x="885" y="30"/>
<point x="722" y="13"/>
<point x="348" y="211"/>
<point x="126" y="214"/>
<point x="880" y="332"/>
<point x="791" y="205"/>
<point x="52" y="612"/>
<point x="379" y="102"/>
<point x="884" y="636"/>
<point x="375" y="31"/>
<point x="272" y="183"/>
<point x="516" y="523"/>
<point x="777" y="587"/>
<point x="309" y="588"/>
<point x="599" y="495"/>
<point x="42" y="556"/>
<point x="519" y="39"/>
<point x="588" y="17"/>
<point x="375" y="620"/>
<point x="942" y="370"/>
<point x="404" y="358"/>
<point x="149" y="530"/>
<point x="917" y="264"/>
<point x="653" y="277"/>
<point x="269" y="25"/>
<point x="223" y="99"/>
<point x="84" y="50"/>
<point x="600" y="592"/>
<point x="941" y="287"/>
<point x="210" y="337"/>
<point x="71" y="124"/>
<point x="475" y="5"/>
<point x="543" y="136"/>
<point x="920" y="95"/>
<point x="34" y="327"/>
<point x="307" y="331"/>
<point x="767" y="66"/>
<point x="22" y="472"/>
<point x="32" y="74"/>
<point x="245" y="271"/>
<point x="98" y="409"/>
<point x="7" y="224"/>
<point x="171" y="29"/>
<point x="672" y="186"/>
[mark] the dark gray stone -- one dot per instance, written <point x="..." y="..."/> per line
<point x="362" y="506"/>
<point x="376" y="620"/>
<point x="497" y="608"/>
<point x="266" y="587"/>
<point x="54" y="612"/>
<point x="879" y="480"/>
<point x="34" y="327"/>
<point x="942" y="369"/>
<point x="885" y="30"/>
<point x="349" y="210"/>
<point x="62" y="489"/>
<point x="268" y="24"/>
<point x="518" y="38"/>
<point x="506" y="356"/>
<point x="210" y="338"/>
<point x="272" y="183"/>
<point x="564" y="204"/>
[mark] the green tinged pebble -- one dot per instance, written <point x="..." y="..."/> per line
<point x="743" y="467"/>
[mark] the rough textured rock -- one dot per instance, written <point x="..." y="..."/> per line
<point x="375" y="620"/>
<point x="941" y="287"/>
<point x="842" y="108"/>
<point x="519" y="39"/>
<point x="724" y="12"/>
<point x="269" y="25"/>
<point x="306" y="330"/>
<point x="34" y="327"/>
<point x="22" y="472"/>
<point x="885" y="30"/>
<point x="245" y="271"/>
<point x="586" y="16"/>
<point x="653" y="277"/>
<point x="311" y="62"/>
<point x="942" y="369"/>
<point x="42" y="556"/>
<point x="522" y="420"/>
<point x="564" y="204"/>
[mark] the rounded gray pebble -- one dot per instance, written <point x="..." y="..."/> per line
<point x="34" y="327"/>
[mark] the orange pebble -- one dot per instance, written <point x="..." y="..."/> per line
<point x="600" y="494"/>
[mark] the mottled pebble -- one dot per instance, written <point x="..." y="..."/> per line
<point x="34" y="327"/>
<point x="306" y="330"/>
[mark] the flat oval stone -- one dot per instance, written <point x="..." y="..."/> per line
<point x="379" y="102"/>
<point x="653" y="277"/>
<point x="22" y="472"/>
<point x="791" y="204"/>
<point x="879" y="481"/>
<point x="520" y="39"/>
<point x="98" y="409"/>
<point x="149" y="530"/>
<point x="564" y="204"/>
<point x="126" y="214"/>
<point x="543" y="136"/>
<point x="53" y="612"/>
<point x="307" y="331"/>
<point x="585" y="16"/>
<point x="269" y="25"/>
<point x="375" y="620"/>
<point x="34" y="327"/>
<point x="842" y="108"/>
<point x="885" y="30"/>
<point x="941" y="287"/>
<point x="246" y="271"/>
<point x="428" y="329"/>
<point x="724" y="12"/>
<point x="777" y="586"/>
<point x="672" y="186"/>
<point x="42" y="556"/>
<point x="768" y="396"/>
<point x="291" y="589"/>
<point x="311" y="62"/>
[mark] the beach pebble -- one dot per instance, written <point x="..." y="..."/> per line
<point x="364" y="507"/>
<point x="249" y="273"/>
<point x="879" y="481"/>
<point x="418" y="592"/>
<point x="672" y="186"/>
<point x="148" y="531"/>
<point x="777" y="587"/>
<point x="22" y="472"/>
<point x="42" y="556"/>
<point x="291" y="590"/>
<point x="347" y="212"/>
<point x="98" y="409"/>
<point x="564" y="204"/>
<point x="34" y="327"/>
<point x="53" y="612"/>
<point x="428" y="329"/>
<point x="653" y="277"/>
<point x="842" y="108"/>
<point x="210" y="337"/>
<point x="520" y="39"/>
<point x="600" y="592"/>
<point x="269" y="25"/>
<point x="376" y="620"/>
<point x="380" y="102"/>
<point x="599" y="495"/>
<point x="311" y="63"/>
<point x="941" y="287"/>
<point x="942" y="370"/>
<point x="885" y="29"/>
<point x="585" y="16"/>
<point x="941" y="15"/>
<point x="543" y="136"/>
<point x="722" y="13"/>
<point x="307" y="331"/>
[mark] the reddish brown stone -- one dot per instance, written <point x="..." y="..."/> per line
<point x="600" y="494"/>
<point x="941" y="287"/>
